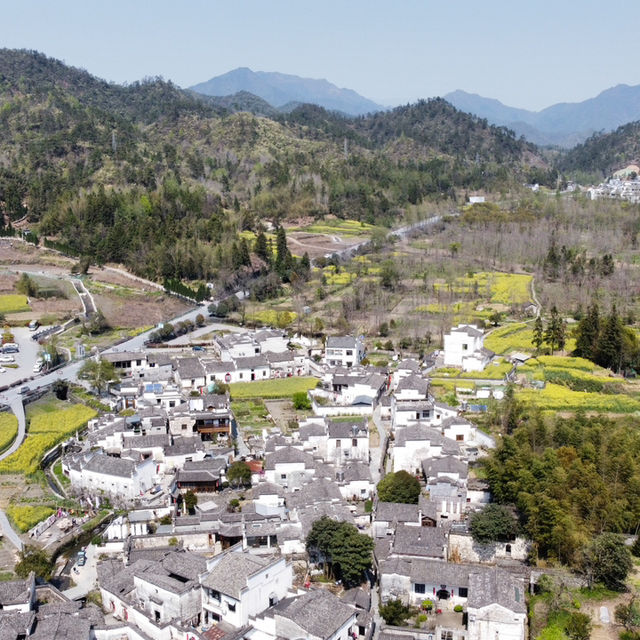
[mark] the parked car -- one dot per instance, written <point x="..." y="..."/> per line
<point x="6" y="357"/>
<point x="33" y="325"/>
<point x="82" y="559"/>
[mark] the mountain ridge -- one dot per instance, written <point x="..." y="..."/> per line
<point x="564" y="123"/>
<point x="279" y="89"/>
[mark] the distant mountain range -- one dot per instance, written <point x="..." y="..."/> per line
<point x="285" y="92"/>
<point x="565" y="124"/>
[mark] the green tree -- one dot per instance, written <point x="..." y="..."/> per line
<point x="61" y="389"/>
<point x="98" y="373"/>
<point x="36" y="560"/>
<point x="283" y="255"/>
<point x="495" y="318"/>
<point x="260" y="247"/>
<point x="389" y="276"/>
<point x="609" y="348"/>
<point x="578" y="626"/>
<point x="341" y="548"/>
<point x="587" y="333"/>
<point x="606" y="560"/>
<point x="494" y="523"/>
<point x="395" y="613"/>
<point x="239" y="474"/>
<point x="190" y="501"/>
<point x="399" y="487"/>
<point x="301" y="401"/>
<point x="26" y="285"/>
<point x="555" y="333"/>
<point x="538" y="334"/>
<point x="628" y="614"/>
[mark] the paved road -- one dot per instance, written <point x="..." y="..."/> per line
<point x="8" y="532"/>
<point x="87" y="577"/>
<point x="189" y="338"/>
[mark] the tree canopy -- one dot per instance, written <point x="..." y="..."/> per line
<point x="399" y="487"/>
<point x="494" y="523"/>
<point x="239" y="474"/>
<point x="341" y="548"/>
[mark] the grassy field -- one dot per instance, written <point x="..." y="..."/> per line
<point x="49" y="425"/>
<point x="347" y="228"/>
<point x="8" y="430"/>
<point x="251" y="414"/>
<point x="495" y="286"/>
<point x="26" y="516"/>
<point x="555" y="397"/>
<point x="271" y="389"/>
<point x="272" y="317"/>
<point x="13" y="303"/>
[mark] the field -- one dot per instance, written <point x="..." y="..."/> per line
<point x="26" y="516"/>
<point x="251" y="414"/>
<point x="497" y="287"/>
<point x="338" y="227"/>
<point x="516" y="337"/>
<point x="13" y="303"/>
<point x="49" y="426"/>
<point x="271" y="389"/>
<point x="271" y="317"/>
<point x="8" y="430"/>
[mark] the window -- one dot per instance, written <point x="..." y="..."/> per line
<point x="349" y="352"/>
<point x="419" y="588"/>
<point x="184" y="427"/>
<point x="232" y="607"/>
<point x="463" y="592"/>
<point x="283" y="476"/>
<point x="214" y="594"/>
<point x="459" y="437"/>
<point x="264" y="373"/>
<point x="338" y="444"/>
<point x="446" y="635"/>
<point x="354" y="442"/>
<point x="240" y="376"/>
<point x="465" y="347"/>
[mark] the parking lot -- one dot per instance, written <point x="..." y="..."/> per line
<point x="25" y="358"/>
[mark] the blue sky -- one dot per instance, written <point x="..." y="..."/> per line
<point x="526" y="54"/>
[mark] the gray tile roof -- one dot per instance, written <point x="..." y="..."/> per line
<point x="230" y="574"/>
<point x="317" y="612"/>
<point x="62" y="626"/>
<point x="428" y="542"/>
<point x="409" y="365"/>
<point x="413" y="383"/>
<point x="396" y="512"/>
<point x="497" y="586"/>
<point x="341" y="342"/>
<point x="252" y="362"/>
<point x="354" y="429"/>
<point x="419" y="433"/>
<point x="189" y="368"/>
<point x="108" y="465"/>
<point x="16" y="591"/>
<point x="447" y="464"/>
<point x="287" y="455"/>
<point x="469" y="330"/>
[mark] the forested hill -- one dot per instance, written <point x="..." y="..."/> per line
<point x="163" y="181"/>
<point x="606" y="152"/>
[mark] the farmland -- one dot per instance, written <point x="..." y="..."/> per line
<point x="13" y="303"/>
<point x="49" y="425"/>
<point x="8" y="430"/>
<point x="271" y="389"/>
<point x="26" y="516"/>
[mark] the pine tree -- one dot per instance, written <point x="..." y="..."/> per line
<point x="538" y="333"/>
<point x="260" y="247"/>
<point x="554" y="332"/>
<point x="283" y="256"/>
<point x="609" y="350"/>
<point x="587" y="333"/>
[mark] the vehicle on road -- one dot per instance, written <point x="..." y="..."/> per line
<point x="82" y="559"/>
<point x="33" y="325"/>
<point x="6" y="357"/>
<point x="37" y="367"/>
<point x="10" y="347"/>
<point x="24" y="390"/>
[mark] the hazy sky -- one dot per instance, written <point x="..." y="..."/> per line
<point x="526" y="54"/>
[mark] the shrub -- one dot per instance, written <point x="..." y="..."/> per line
<point x="301" y="401"/>
<point x="173" y="541"/>
<point x="458" y="608"/>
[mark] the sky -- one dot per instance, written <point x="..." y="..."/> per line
<point x="526" y="54"/>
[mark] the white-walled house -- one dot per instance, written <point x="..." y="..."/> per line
<point x="289" y="467"/>
<point x="239" y="585"/>
<point x="496" y="607"/>
<point x="418" y="442"/>
<point x="347" y="441"/>
<point x="343" y="351"/>
<point x="464" y="347"/>
<point x="98" y="473"/>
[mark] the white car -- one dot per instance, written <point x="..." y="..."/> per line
<point x="6" y="357"/>
<point x="3" y="370"/>
<point x="37" y="367"/>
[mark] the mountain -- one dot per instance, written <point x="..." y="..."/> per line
<point x="278" y="89"/>
<point x="563" y="124"/>
<point x="605" y="153"/>
<point x="163" y="181"/>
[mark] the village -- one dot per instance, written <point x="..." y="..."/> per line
<point x="212" y="515"/>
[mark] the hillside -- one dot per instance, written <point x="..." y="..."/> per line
<point x="605" y="153"/>
<point x="279" y="89"/>
<point x="563" y="124"/>
<point x="163" y="181"/>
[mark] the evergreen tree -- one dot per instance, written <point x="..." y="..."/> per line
<point x="260" y="247"/>
<point x="538" y="333"/>
<point x="609" y="349"/>
<point x="551" y="266"/>
<point x="555" y="331"/>
<point x="283" y="255"/>
<point x="587" y="333"/>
